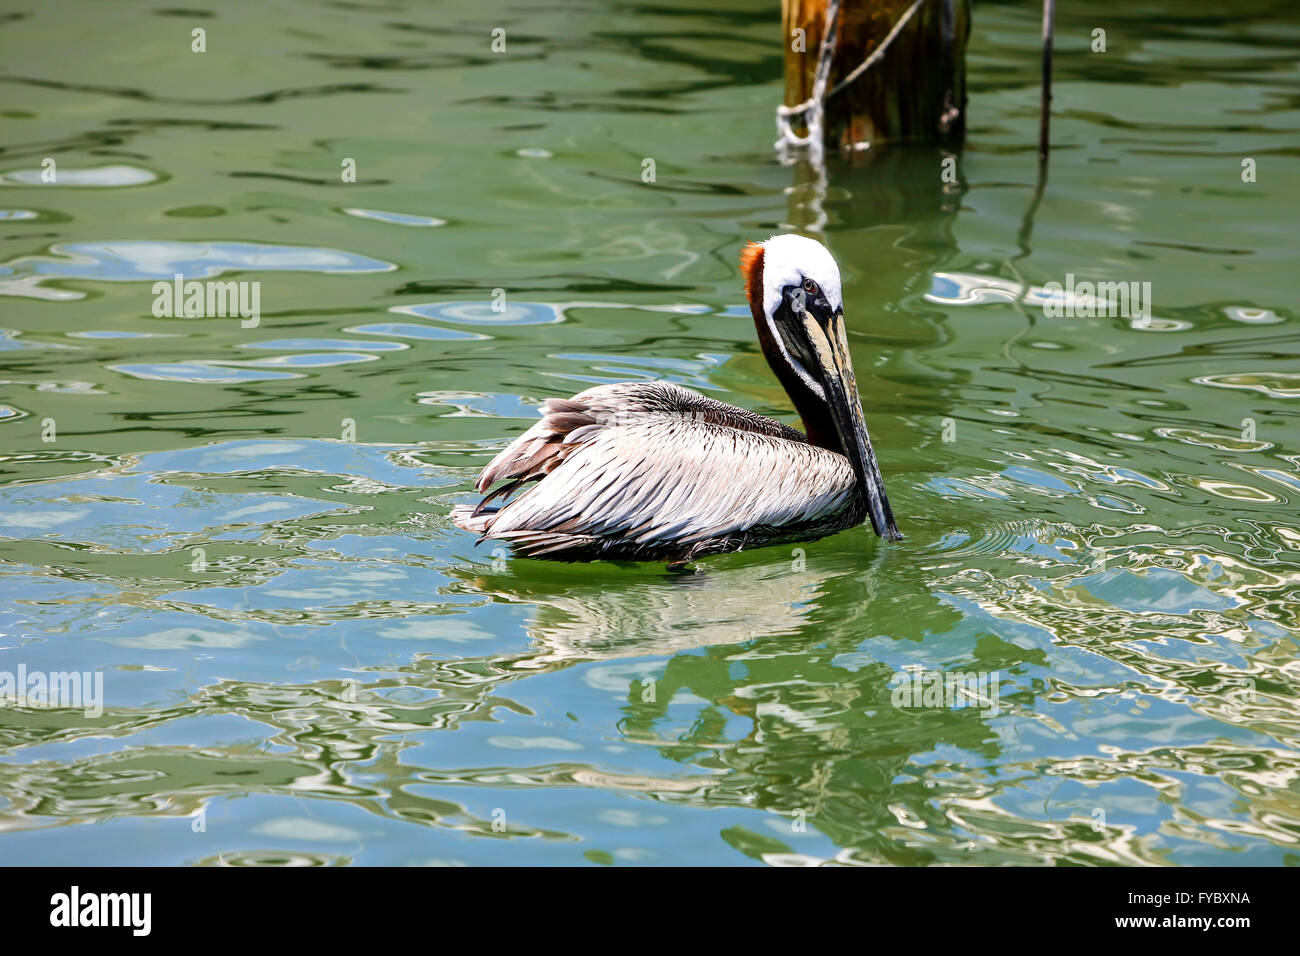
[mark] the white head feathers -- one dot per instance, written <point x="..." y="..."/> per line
<point x="788" y="259"/>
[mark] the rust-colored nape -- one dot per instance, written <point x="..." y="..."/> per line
<point x="751" y="267"/>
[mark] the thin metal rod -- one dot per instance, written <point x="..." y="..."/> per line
<point x="1045" y="109"/>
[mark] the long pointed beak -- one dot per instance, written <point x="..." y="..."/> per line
<point x="832" y="348"/>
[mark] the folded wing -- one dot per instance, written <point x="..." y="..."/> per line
<point x="568" y="422"/>
<point x="639" y="465"/>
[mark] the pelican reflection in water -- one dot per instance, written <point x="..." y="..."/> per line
<point x="653" y="471"/>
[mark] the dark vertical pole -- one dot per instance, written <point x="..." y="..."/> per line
<point x="1045" y="109"/>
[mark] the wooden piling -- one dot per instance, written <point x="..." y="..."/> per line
<point x="915" y="91"/>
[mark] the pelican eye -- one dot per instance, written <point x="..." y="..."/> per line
<point x="809" y="286"/>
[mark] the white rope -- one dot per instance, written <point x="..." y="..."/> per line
<point x="813" y="105"/>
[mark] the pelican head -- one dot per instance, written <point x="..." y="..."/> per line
<point x="794" y="293"/>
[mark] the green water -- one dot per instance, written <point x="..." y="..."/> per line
<point x="1101" y="513"/>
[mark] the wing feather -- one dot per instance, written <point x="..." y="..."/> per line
<point x="681" y="480"/>
<point x="653" y="465"/>
<point x="570" y="421"/>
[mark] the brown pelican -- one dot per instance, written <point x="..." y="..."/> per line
<point x="652" y="471"/>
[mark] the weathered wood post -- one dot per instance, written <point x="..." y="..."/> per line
<point x="914" y="87"/>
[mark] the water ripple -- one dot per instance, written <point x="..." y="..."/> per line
<point x="145" y="260"/>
